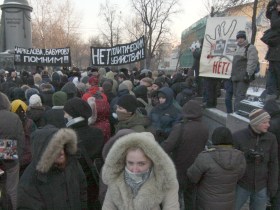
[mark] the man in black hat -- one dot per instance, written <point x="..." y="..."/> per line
<point x="244" y="63"/>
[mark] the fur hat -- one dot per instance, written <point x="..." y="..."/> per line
<point x="76" y="107"/>
<point x="29" y="92"/>
<point x="222" y="135"/>
<point x="59" y="98"/>
<point x="128" y="102"/>
<point x="35" y="100"/>
<point x="16" y="104"/>
<point x="241" y="34"/>
<point x="257" y="116"/>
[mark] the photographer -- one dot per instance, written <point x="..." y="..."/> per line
<point x="260" y="180"/>
<point x="273" y="54"/>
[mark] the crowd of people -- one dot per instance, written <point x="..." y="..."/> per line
<point x="157" y="152"/>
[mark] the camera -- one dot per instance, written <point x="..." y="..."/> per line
<point x="255" y="156"/>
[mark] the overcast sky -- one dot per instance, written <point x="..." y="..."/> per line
<point x="193" y="10"/>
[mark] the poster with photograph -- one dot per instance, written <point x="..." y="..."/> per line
<point x="219" y="45"/>
<point x="8" y="149"/>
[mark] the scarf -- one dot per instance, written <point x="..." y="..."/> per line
<point x="123" y="116"/>
<point x="136" y="180"/>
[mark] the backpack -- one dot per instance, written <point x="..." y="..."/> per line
<point x="257" y="69"/>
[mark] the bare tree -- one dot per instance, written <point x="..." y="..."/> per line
<point x="55" y="25"/>
<point x="155" y="16"/>
<point x="111" y="31"/>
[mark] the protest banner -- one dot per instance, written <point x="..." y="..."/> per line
<point x="48" y="57"/>
<point x="219" y="45"/>
<point x="119" y="54"/>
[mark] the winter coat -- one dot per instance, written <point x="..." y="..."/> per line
<point x="187" y="140"/>
<point x="36" y="113"/>
<point x="184" y="96"/>
<point x="136" y="122"/>
<point x="164" y="116"/>
<point x="263" y="173"/>
<point x="244" y="62"/>
<point x="273" y="110"/>
<point x="216" y="172"/>
<point x="105" y="151"/>
<point x="161" y="188"/>
<point x="90" y="138"/>
<point x="91" y="141"/>
<point x="43" y="186"/>
<point x="29" y="127"/>
<point x="273" y="53"/>
<point x="55" y="117"/>
<point x="102" y="118"/>
<point x="11" y="128"/>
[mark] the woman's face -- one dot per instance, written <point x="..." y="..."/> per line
<point x="137" y="161"/>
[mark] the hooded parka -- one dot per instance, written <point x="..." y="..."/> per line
<point x="160" y="191"/>
<point x="43" y="186"/>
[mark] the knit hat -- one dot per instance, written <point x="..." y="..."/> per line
<point x="107" y="86"/>
<point x="241" y="34"/>
<point x="257" y="116"/>
<point x="76" y="107"/>
<point x="222" y="135"/>
<point x="29" y="92"/>
<point x="129" y="84"/>
<point x="70" y="89"/>
<point x="128" y="102"/>
<point x="85" y="79"/>
<point x="16" y="104"/>
<point x="122" y="86"/>
<point x="59" y="98"/>
<point x="141" y="91"/>
<point x="35" y="100"/>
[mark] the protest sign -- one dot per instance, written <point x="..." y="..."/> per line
<point x="8" y="149"/>
<point x="119" y="54"/>
<point x="48" y="57"/>
<point x="219" y="45"/>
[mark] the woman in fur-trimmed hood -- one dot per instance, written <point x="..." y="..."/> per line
<point x="129" y="188"/>
<point x="54" y="179"/>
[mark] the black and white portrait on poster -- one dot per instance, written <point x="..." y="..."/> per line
<point x="36" y="56"/>
<point x="119" y="54"/>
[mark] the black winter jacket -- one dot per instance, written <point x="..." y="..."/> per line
<point x="262" y="167"/>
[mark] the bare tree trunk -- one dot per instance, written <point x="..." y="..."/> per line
<point x="254" y="24"/>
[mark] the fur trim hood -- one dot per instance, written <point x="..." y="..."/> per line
<point x="62" y="138"/>
<point x="163" y="168"/>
